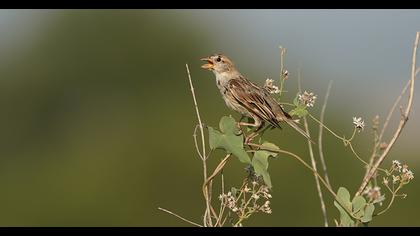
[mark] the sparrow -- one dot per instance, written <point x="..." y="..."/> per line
<point x="247" y="98"/>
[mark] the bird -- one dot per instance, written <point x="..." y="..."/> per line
<point x="247" y="98"/>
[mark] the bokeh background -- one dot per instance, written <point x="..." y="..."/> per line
<point x="96" y="114"/>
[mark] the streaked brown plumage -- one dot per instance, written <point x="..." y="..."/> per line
<point x="247" y="98"/>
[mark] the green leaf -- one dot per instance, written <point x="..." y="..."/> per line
<point x="299" y="110"/>
<point x="302" y="113"/>
<point x="343" y="196"/>
<point x="368" y="213"/>
<point x="228" y="139"/>
<point x="260" y="162"/>
<point x="359" y="204"/>
<point x="345" y="219"/>
<point x="228" y="125"/>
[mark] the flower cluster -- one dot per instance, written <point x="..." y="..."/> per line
<point x="404" y="174"/>
<point x="308" y="99"/>
<point x="359" y="123"/>
<point x="251" y="198"/>
<point x="270" y="87"/>
<point x="229" y="201"/>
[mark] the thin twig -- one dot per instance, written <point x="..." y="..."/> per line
<point x="390" y="203"/>
<point x="313" y="162"/>
<point x="207" y="215"/>
<point x="321" y="153"/>
<point x="391" y="111"/>
<point x="318" y="186"/>
<point x="402" y="123"/>
<point x="203" y="142"/>
<point x="217" y="170"/>
<point x="196" y="143"/>
<point x="282" y="78"/>
<point x="222" y="205"/>
<point x="180" y="217"/>
<point x="329" y="130"/>
<point x="209" y="180"/>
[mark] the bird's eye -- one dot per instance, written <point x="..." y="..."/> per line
<point x="218" y="59"/>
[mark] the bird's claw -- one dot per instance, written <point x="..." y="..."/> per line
<point x="240" y="131"/>
<point x="248" y="139"/>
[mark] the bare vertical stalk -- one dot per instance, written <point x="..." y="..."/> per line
<point x="403" y="120"/>
<point x="313" y="162"/>
<point x="207" y="221"/>
<point x="391" y="111"/>
<point x="321" y="153"/>
<point x="282" y="77"/>
<point x="318" y="186"/>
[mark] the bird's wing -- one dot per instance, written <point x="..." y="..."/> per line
<point x="254" y="98"/>
<point x="258" y="101"/>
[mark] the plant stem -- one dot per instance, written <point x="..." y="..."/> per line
<point x="403" y="120"/>
<point x="321" y="153"/>
<point x="390" y="203"/>
<point x="207" y="214"/>
<point x="313" y="162"/>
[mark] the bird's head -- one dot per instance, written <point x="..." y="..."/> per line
<point x="218" y="63"/>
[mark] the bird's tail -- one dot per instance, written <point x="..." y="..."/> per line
<point x="292" y="123"/>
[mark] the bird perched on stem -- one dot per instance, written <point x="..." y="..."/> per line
<point x="247" y="98"/>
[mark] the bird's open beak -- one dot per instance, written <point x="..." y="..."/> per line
<point x="209" y="65"/>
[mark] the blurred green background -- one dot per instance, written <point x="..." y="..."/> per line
<point x="96" y="114"/>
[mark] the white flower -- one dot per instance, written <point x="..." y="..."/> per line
<point x="359" y="123"/>
<point x="396" y="165"/>
<point x="410" y="175"/>
<point x="395" y="179"/>
<point x="395" y="162"/>
<point x="266" y="207"/>
<point x="270" y="86"/>
<point x="307" y="99"/>
<point x="255" y="196"/>
<point x="385" y="181"/>
<point x="265" y="192"/>
<point x="246" y="189"/>
<point x="404" y="168"/>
